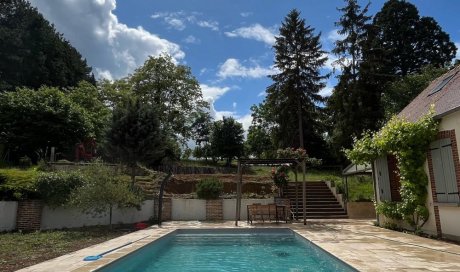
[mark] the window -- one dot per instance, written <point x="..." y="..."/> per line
<point x="444" y="171"/>
<point x="442" y="84"/>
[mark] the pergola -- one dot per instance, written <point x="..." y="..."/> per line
<point x="268" y="162"/>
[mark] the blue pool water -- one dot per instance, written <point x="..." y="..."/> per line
<point x="229" y="250"/>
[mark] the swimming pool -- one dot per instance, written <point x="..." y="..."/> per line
<point x="229" y="250"/>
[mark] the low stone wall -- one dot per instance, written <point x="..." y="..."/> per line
<point x="361" y="210"/>
<point x="8" y="212"/>
<point x="72" y="218"/>
<point x="186" y="209"/>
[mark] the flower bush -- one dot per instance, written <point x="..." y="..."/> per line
<point x="280" y="176"/>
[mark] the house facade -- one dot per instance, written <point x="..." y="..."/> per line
<point x="442" y="165"/>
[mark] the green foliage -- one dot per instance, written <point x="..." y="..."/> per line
<point x="32" y="120"/>
<point x="16" y="184"/>
<point x="352" y="25"/>
<point x="259" y="142"/>
<point x="397" y="43"/>
<point x="88" y="97"/>
<point x="103" y="189"/>
<point x="33" y="53"/>
<point x="173" y="91"/>
<point x="227" y="139"/>
<point x="25" y="162"/>
<point x="55" y="188"/>
<point x="408" y="141"/>
<point x="402" y="91"/>
<point x="210" y="188"/>
<point x="280" y="176"/>
<point x="389" y="209"/>
<point x="410" y="41"/>
<point x="291" y="109"/>
<point x="135" y="135"/>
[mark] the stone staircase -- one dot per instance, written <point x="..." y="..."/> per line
<point x="321" y="202"/>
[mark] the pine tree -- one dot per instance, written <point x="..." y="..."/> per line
<point x="353" y="27"/>
<point x="347" y="105"/>
<point x="292" y="100"/>
<point x="135" y="135"/>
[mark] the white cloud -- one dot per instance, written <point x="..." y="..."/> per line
<point x="213" y="25"/>
<point x="254" y="32"/>
<point x="457" y="44"/>
<point x="246" y="121"/>
<point x="333" y="35"/>
<point x="177" y="20"/>
<point x="233" y="68"/>
<point x="192" y="40"/>
<point x="105" y="74"/>
<point x="112" y="48"/>
<point x="326" y="91"/>
<point x="213" y="92"/>
<point x="175" y="23"/>
<point x="203" y="71"/>
<point x="246" y="14"/>
<point x="262" y="93"/>
<point x="234" y="105"/>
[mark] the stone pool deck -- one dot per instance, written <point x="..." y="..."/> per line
<point x="357" y="242"/>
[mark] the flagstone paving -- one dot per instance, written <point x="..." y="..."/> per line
<point x="357" y="242"/>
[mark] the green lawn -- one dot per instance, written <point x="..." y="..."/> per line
<point x="19" y="250"/>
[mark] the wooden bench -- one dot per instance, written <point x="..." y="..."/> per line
<point x="267" y="212"/>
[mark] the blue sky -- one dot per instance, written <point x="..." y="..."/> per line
<point x="227" y="44"/>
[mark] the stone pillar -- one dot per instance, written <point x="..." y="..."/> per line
<point x="29" y="215"/>
<point x="214" y="209"/>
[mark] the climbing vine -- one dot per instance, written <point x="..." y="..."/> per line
<point x="408" y="142"/>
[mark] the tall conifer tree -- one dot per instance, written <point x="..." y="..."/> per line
<point x="293" y="99"/>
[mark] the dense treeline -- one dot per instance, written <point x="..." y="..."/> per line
<point x="49" y="98"/>
<point x="33" y="53"/>
<point x="385" y="61"/>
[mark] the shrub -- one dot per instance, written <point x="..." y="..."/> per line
<point x="55" y="188"/>
<point x="104" y="189"/>
<point x="16" y="184"/>
<point x="210" y="188"/>
<point x="25" y="162"/>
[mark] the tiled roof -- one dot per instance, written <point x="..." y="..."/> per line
<point x="445" y="100"/>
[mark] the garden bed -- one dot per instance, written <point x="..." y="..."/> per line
<point x="19" y="250"/>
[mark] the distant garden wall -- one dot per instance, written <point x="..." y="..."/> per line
<point x="71" y="218"/>
<point x="175" y="209"/>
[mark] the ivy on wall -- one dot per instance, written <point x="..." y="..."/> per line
<point x="408" y="142"/>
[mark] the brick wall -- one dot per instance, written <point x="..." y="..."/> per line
<point x="29" y="215"/>
<point x="166" y="214"/>
<point x="214" y="209"/>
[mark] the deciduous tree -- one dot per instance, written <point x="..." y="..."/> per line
<point x="227" y="139"/>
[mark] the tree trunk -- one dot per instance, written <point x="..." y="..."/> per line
<point x="133" y="175"/>
<point x="110" y="217"/>
<point x="299" y="116"/>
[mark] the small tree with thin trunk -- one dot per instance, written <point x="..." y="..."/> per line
<point x="135" y="136"/>
<point x="104" y="189"/>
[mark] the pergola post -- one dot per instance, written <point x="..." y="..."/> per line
<point x="238" y="193"/>
<point x="304" y="194"/>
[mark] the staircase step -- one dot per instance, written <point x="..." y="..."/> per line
<point x="320" y="201"/>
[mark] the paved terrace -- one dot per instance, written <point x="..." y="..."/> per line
<point x="357" y="242"/>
